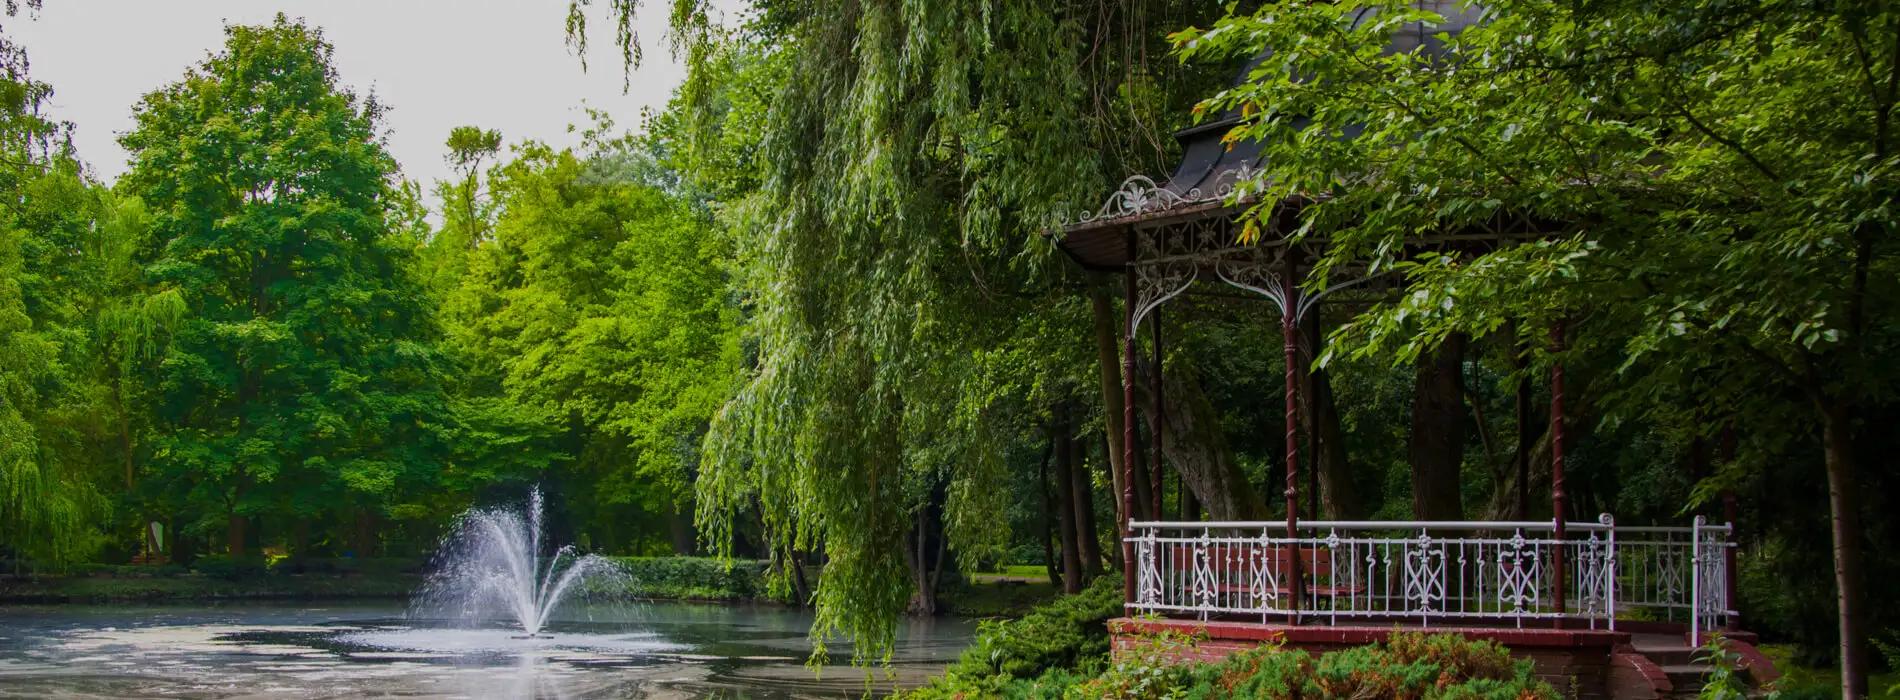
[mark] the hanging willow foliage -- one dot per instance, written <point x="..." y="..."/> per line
<point x="908" y="158"/>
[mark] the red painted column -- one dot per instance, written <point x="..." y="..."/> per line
<point x="1290" y="337"/>
<point x="1128" y="426"/>
<point x="1154" y="463"/>
<point x="1557" y="498"/>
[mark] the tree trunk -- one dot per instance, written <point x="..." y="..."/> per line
<point x="364" y="537"/>
<point x="801" y="586"/>
<point x="1046" y="518"/>
<point x="125" y="440"/>
<point x="1198" y="452"/>
<point x="925" y="569"/>
<point x="1109" y="371"/>
<point x="233" y="522"/>
<point x="300" y="543"/>
<point x="679" y="526"/>
<point x="1438" y="432"/>
<point x="1838" y="443"/>
<point x="1087" y="538"/>
<point x="1065" y="500"/>
<point x="175" y="544"/>
<point x="1333" y="471"/>
<point x="234" y="535"/>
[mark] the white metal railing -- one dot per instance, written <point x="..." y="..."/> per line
<point x="1431" y="572"/>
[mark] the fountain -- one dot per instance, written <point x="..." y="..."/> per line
<point x="491" y="567"/>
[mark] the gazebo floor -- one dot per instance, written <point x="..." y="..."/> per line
<point x="1648" y="661"/>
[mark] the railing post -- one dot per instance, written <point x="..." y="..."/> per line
<point x="1609" y="570"/>
<point x="1730" y="608"/>
<point x="1695" y="583"/>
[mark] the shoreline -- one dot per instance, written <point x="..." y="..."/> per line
<point x="977" y="599"/>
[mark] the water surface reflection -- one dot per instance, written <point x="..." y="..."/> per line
<point x="339" y="650"/>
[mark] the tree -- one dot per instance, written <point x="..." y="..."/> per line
<point x="1716" y="185"/>
<point x="301" y="383"/>
<point x="906" y="162"/>
<point x="468" y="212"/>
<point x="52" y="505"/>
<point x="600" y="306"/>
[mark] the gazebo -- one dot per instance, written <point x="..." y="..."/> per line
<point x="1613" y="608"/>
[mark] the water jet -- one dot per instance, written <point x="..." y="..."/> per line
<point x="491" y="567"/>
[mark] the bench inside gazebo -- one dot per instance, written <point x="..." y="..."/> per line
<point x="1607" y="608"/>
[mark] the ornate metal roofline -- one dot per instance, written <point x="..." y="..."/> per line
<point x="1138" y="195"/>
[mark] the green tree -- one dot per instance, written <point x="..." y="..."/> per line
<point x="906" y="158"/>
<point x="52" y="504"/>
<point x="301" y="382"/>
<point x="600" y="304"/>
<point x="1716" y="182"/>
<point x="468" y="213"/>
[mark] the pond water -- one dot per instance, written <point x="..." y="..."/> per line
<point x="357" y="649"/>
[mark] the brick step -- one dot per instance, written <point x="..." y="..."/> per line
<point x="1687" y="677"/>
<point x="1679" y="655"/>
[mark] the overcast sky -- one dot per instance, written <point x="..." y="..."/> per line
<point x="498" y="64"/>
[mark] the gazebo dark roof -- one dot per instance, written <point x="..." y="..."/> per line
<point x="1202" y="184"/>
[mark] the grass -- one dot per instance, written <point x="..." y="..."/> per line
<point x="1800" y="681"/>
<point x="1021" y="573"/>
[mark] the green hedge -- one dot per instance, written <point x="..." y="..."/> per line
<point x="127" y="570"/>
<point x="377" y="566"/>
<point x="218" y="576"/>
<point x="1069" y="633"/>
<point x="694" y="578"/>
<point x="1425" y="667"/>
<point x="1060" y="652"/>
<point x="231" y="568"/>
<point x="244" y="568"/>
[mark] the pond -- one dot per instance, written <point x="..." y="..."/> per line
<point x="367" y="649"/>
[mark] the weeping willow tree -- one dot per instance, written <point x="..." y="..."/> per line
<point x="906" y="158"/>
<point x="50" y="214"/>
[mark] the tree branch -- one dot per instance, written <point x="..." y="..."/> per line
<point x="1732" y="144"/>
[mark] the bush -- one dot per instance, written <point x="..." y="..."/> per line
<point x="374" y="566"/>
<point x="1408" y="666"/>
<point x="1024" y="555"/>
<point x="127" y="570"/>
<point x="224" y="567"/>
<point x="693" y="578"/>
<point x="1010" y="658"/>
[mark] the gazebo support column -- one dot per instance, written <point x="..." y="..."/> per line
<point x="1557" y="498"/>
<point x="1290" y="339"/>
<point x="1128" y="428"/>
<point x="1157" y="483"/>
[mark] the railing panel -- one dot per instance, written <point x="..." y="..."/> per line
<point x="1431" y="572"/>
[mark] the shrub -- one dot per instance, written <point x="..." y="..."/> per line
<point x="127" y="570"/>
<point x="1419" y="666"/>
<point x="693" y="578"/>
<point x="224" y="567"/>
<point x="1405" y="667"/>
<point x="1042" y="655"/>
<point x="1061" y="634"/>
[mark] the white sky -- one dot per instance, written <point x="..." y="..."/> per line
<point x="497" y="64"/>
